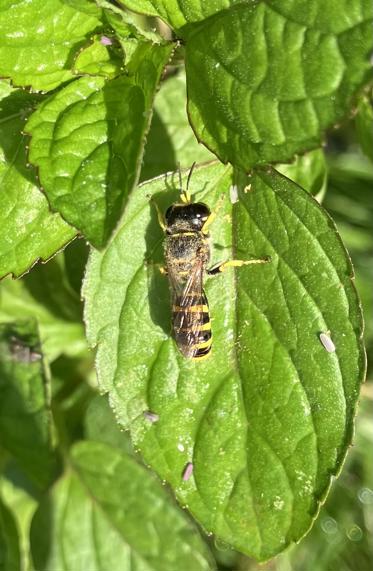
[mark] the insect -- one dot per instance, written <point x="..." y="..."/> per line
<point x="187" y="254"/>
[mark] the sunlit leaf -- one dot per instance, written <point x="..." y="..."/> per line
<point x="267" y="419"/>
<point x="87" y="141"/>
<point x="125" y="25"/>
<point x="38" y="38"/>
<point x="100" y="57"/>
<point x="29" y="231"/>
<point x="265" y="79"/>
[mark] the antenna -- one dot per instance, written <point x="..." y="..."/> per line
<point x="180" y="179"/>
<point x="185" y="194"/>
<point x="190" y="176"/>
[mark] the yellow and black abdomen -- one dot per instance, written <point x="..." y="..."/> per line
<point x="192" y="326"/>
<point x="186" y="256"/>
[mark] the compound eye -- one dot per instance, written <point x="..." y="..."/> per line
<point x="200" y="212"/>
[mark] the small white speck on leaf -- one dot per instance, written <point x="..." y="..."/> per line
<point x="233" y="193"/>
<point x="327" y="342"/>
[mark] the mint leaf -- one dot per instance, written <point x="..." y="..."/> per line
<point x="86" y="6"/>
<point x="87" y="141"/>
<point x="266" y="79"/>
<point x="125" y="25"/>
<point x="177" y="13"/>
<point x="309" y="171"/>
<point x="171" y="140"/>
<point x="267" y="419"/>
<point x="38" y="39"/>
<point x="108" y="512"/>
<point x="25" y="417"/>
<point x="100" y="58"/>
<point x="100" y="425"/>
<point x="144" y="6"/>
<point x="29" y="230"/>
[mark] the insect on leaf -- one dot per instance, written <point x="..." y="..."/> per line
<point x="266" y="420"/>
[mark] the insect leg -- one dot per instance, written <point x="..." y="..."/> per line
<point x="160" y="216"/>
<point x="213" y="215"/>
<point x="221" y="267"/>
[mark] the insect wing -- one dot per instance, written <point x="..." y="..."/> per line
<point x="190" y="312"/>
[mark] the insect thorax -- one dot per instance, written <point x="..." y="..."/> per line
<point x="184" y="249"/>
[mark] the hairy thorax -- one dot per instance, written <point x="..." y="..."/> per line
<point x="185" y="249"/>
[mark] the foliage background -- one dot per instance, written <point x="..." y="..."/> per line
<point x="342" y="536"/>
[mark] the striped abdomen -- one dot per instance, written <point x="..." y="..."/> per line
<point x="192" y="326"/>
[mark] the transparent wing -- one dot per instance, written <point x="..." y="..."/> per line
<point x="188" y="309"/>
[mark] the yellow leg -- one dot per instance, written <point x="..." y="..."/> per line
<point x="235" y="263"/>
<point x="160" y="216"/>
<point x="213" y="215"/>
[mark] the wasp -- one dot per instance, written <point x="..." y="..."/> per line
<point x="187" y="254"/>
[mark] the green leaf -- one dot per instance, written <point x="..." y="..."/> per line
<point x="86" y="6"/>
<point x="309" y="171"/>
<point x="87" y="141"/>
<point x="125" y="25"/>
<point x="147" y="7"/>
<point x="364" y="125"/>
<point x="100" y="59"/>
<point x="177" y="13"/>
<point x="38" y="40"/>
<point x="19" y="496"/>
<point x="100" y="425"/>
<point x="267" y="419"/>
<point x="47" y="295"/>
<point x="25" y="417"/>
<point x="171" y="139"/>
<point x="265" y="79"/>
<point x="29" y="230"/>
<point x="9" y="542"/>
<point x="108" y="512"/>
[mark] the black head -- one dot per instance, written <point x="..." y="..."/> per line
<point x="187" y="216"/>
